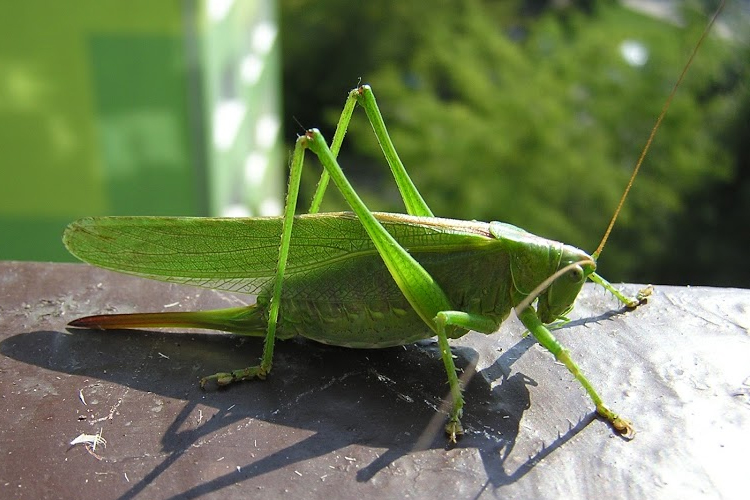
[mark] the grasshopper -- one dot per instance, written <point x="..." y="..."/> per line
<point x="357" y="279"/>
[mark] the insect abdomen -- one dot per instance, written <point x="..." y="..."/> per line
<point x="356" y="303"/>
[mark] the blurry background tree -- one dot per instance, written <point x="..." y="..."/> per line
<point x="534" y="113"/>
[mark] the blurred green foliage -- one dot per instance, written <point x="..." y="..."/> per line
<point x="532" y="115"/>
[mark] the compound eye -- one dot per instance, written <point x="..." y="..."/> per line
<point x="575" y="274"/>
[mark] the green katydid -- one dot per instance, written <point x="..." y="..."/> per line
<point x="361" y="279"/>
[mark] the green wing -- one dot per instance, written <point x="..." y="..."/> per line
<point x="240" y="254"/>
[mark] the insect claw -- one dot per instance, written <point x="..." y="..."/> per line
<point x="624" y="427"/>
<point x="619" y="424"/>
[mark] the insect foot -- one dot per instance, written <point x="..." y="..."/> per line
<point x="226" y="378"/>
<point x="621" y="425"/>
<point x="643" y="295"/>
<point x="640" y="298"/>
<point x="454" y="430"/>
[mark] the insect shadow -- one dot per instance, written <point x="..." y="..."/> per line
<point x="384" y="398"/>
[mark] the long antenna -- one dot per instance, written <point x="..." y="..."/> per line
<point x="599" y="249"/>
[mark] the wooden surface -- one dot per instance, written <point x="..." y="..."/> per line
<point x="338" y="423"/>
